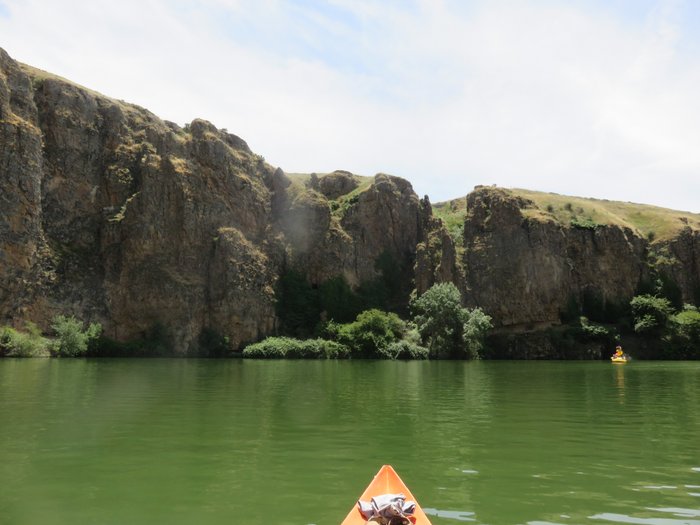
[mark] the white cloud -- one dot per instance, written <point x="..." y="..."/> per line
<point x="549" y="95"/>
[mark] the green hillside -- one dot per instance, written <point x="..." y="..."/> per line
<point x="652" y="222"/>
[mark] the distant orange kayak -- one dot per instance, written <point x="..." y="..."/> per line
<point x="386" y="481"/>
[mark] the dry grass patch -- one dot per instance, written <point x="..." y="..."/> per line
<point x="651" y="222"/>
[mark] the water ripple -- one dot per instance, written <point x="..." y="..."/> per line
<point x="685" y="513"/>
<point x="456" y="515"/>
<point x="623" y="518"/>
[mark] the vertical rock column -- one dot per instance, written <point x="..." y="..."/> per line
<point x="21" y="239"/>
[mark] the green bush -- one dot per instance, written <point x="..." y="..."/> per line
<point x="71" y="339"/>
<point x="587" y="332"/>
<point x="5" y="337"/>
<point x="270" y="348"/>
<point x="585" y="223"/>
<point x="371" y="333"/>
<point x="287" y="347"/>
<point x="31" y="343"/>
<point x="685" y="327"/>
<point x="475" y="329"/>
<point x="687" y="323"/>
<point x="448" y="329"/>
<point x="439" y="318"/>
<point x="319" y="348"/>
<point x="661" y="263"/>
<point x="411" y="334"/>
<point x="595" y="332"/>
<point x="404" y="350"/>
<point x="651" y="313"/>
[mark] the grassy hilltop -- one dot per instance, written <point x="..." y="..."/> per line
<point x="652" y="222"/>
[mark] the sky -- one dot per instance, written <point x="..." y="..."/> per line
<point x="596" y="98"/>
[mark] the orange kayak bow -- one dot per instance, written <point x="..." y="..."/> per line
<point x="386" y="481"/>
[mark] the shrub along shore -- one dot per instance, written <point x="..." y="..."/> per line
<point x="439" y="327"/>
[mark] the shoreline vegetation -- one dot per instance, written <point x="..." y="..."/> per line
<point x="439" y="327"/>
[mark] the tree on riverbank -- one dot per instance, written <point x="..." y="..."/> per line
<point x="446" y="327"/>
<point x="374" y="334"/>
<point x="72" y="339"/>
<point x="675" y="334"/>
<point x="370" y="334"/>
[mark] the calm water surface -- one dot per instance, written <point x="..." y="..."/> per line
<point x="295" y="442"/>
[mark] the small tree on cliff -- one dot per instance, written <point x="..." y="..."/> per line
<point x="448" y="329"/>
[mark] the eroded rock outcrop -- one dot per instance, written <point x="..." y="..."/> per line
<point x="327" y="237"/>
<point x="116" y="216"/>
<point x="139" y="222"/>
<point x="681" y="263"/>
<point x="525" y="271"/>
<point x="24" y="257"/>
<point x="437" y="260"/>
<point x="337" y="184"/>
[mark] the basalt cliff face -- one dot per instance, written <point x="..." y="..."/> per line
<point x="526" y="270"/>
<point x="528" y="267"/>
<point x="113" y="215"/>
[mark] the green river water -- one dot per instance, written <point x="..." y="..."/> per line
<point x="187" y="441"/>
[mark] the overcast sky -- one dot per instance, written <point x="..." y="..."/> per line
<point x="597" y="98"/>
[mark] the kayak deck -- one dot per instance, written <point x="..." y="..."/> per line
<point x="386" y="481"/>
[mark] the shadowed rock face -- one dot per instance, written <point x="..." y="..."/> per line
<point x="684" y="263"/>
<point x="383" y="219"/>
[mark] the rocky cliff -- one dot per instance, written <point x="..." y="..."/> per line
<point x="525" y="270"/>
<point x="116" y="216"/>
<point x="530" y="259"/>
<point x="111" y="214"/>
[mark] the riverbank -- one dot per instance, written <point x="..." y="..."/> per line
<point x="439" y="328"/>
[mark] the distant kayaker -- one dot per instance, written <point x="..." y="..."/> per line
<point x="618" y="351"/>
